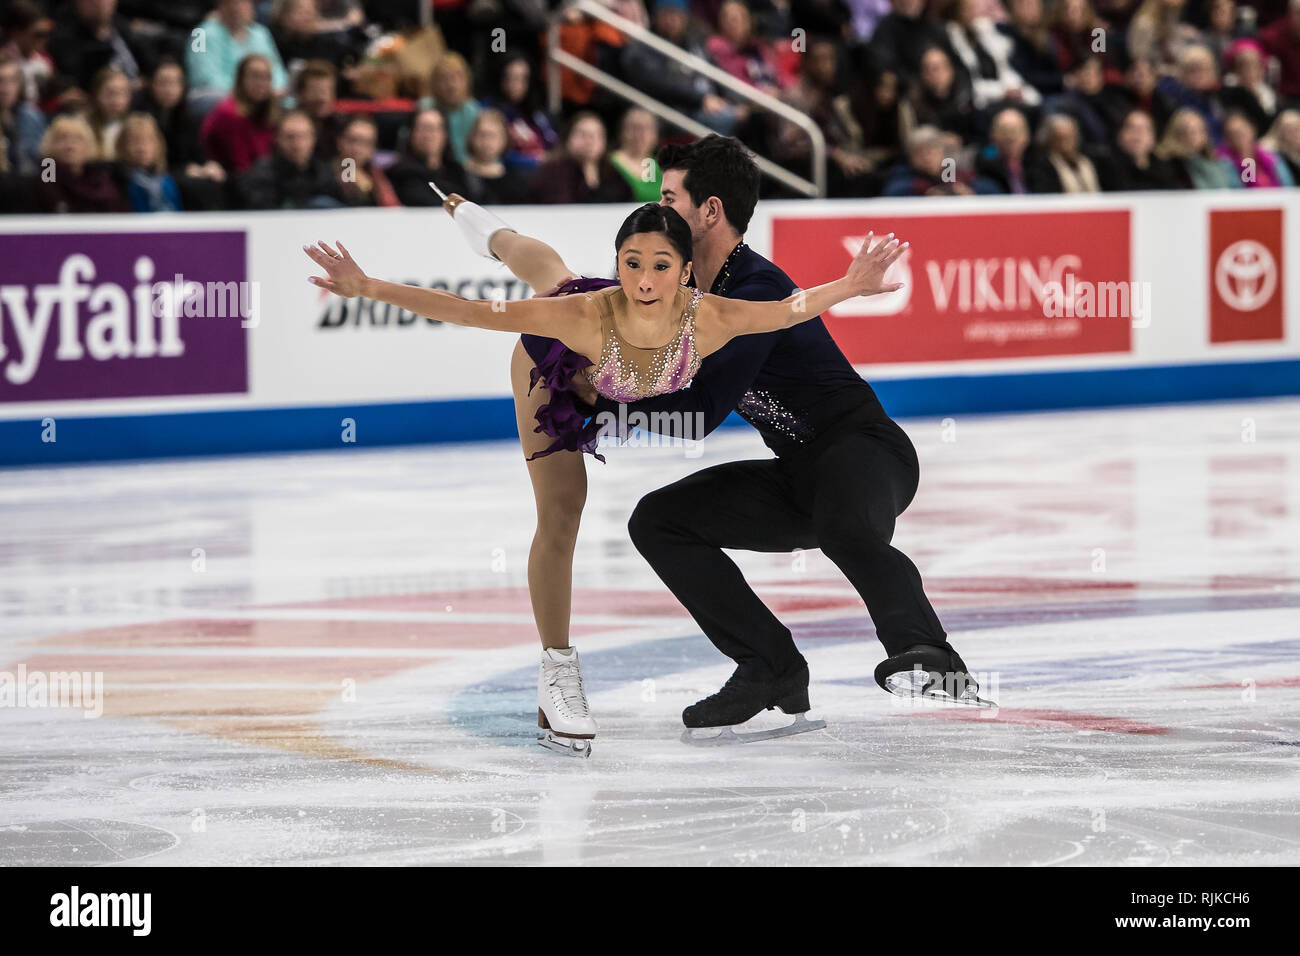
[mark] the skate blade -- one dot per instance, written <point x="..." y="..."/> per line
<point x="725" y="736"/>
<point x="943" y="697"/>
<point x="569" y="746"/>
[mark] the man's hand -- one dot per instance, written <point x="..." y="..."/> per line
<point x="866" y="273"/>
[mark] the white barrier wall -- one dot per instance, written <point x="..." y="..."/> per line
<point x="116" y="331"/>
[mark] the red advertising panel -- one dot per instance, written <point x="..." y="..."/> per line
<point x="979" y="286"/>
<point x="1245" y="273"/>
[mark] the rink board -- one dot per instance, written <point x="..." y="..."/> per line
<point x="127" y="337"/>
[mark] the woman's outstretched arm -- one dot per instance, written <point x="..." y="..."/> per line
<point x="573" y="319"/>
<point x="865" y="276"/>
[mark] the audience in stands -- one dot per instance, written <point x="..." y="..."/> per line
<point x="426" y="159"/>
<point x="1063" y="166"/>
<point x="674" y="83"/>
<point x="1002" y="161"/>
<point x="292" y="176"/>
<point x="240" y="129"/>
<point x="110" y="101"/>
<point x="21" y="124"/>
<point x="143" y="158"/>
<point x="488" y="180"/>
<point x="25" y="32"/>
<point x="453" y="97"/>
<point x="89" y="36"/>
<point x="1284" y="140"/>
<point x="519" y="101"/>
<point x="362" y="182"/>
<point x="204" y="104"/>
<point x="583" y="172"/>
<point x="221" y="43"/>
<point x="638" y="142"/>
<point x="1187" y="147"/>
<point x="315" y="92"/>
<point x="80" y="182"/>
<point x="1253" y="165"/>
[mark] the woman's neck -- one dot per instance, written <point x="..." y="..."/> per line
<point x="656" y="329"/>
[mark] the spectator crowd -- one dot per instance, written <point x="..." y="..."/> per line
<point x="141" y="105"/>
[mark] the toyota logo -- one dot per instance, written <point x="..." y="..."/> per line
<point x="1246" y="275"/>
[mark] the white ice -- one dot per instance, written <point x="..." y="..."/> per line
<point x="329" y="659"/>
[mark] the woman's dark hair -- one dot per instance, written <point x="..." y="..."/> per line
<point x="653" y="217"/>
<point x="532" y="100"/>
<point x="268" y="112"/>
<point x="717" y="166"/>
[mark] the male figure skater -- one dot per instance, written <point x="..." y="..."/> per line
<point x="842" y="474"/>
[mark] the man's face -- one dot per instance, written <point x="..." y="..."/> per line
<point x="317" y="96"/>
<point x="96" y="11"/>
<point x="358" y="143"/>
<point x="670" y="21"/>
<point x="1010" y="134"/>
<point x="929" y="159"/>
<point x="672" y="192"/>
<point x="238" y="12"/>
<point x="296" y="140"/>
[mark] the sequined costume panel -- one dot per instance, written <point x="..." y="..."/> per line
<point x="765" y="412"/>
<point x="623" y="370"/>
<point x="626" y="372"/>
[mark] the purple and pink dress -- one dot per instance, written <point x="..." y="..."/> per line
<point x="625" y="372"/>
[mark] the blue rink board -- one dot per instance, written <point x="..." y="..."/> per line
<point x="245" y="431"/>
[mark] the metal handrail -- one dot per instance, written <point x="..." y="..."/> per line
<point x="816" y="187"/>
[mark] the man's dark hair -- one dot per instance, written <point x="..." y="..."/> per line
<point x="314" y="70"/>
<point x="717" y="166"/>
<point x="20" y="15"/>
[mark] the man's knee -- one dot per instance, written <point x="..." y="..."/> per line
<point x="649" y="519"/>
<point x="846" y="538"/>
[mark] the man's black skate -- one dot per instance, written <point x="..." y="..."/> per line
<point x="932" y="671"/>
<point x="740" y="699"/>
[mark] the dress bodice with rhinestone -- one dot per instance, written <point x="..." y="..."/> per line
<point x="626" y="372"/>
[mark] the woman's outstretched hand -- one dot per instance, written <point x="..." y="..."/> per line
<point x="345" y="276"/>
<point x="867" y="271"/>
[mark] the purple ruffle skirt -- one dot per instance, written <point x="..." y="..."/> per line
<point x="566" y="417"/>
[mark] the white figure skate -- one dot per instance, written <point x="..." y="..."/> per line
<point x="477" y="224"/>
<point x="564" y="720"/>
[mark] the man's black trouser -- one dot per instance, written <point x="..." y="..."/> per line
<point x="841" y="494"/>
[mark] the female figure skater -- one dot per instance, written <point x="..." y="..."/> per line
<point x="578" y="317"/>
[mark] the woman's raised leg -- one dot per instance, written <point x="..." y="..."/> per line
<point x="531" y="260"/>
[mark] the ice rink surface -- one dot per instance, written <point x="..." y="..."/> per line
<point x="329" y="659"/>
